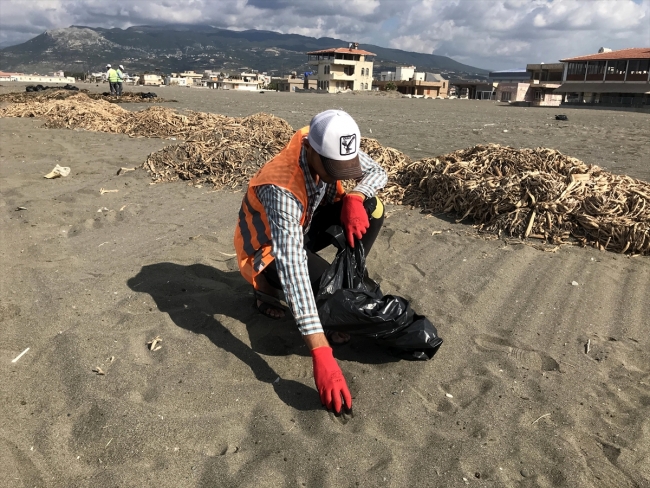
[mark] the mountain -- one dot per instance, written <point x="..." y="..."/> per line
<point x="175" y="47"/>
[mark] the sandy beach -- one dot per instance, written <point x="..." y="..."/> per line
<point x="541" y="382"/>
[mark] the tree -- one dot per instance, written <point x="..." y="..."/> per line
<point x="391" y="86"/>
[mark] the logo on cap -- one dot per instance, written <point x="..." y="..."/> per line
<point x="348" y="144"/>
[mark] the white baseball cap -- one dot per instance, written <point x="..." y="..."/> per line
<point x="335" y="136"/>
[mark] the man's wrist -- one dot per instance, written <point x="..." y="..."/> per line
<point x="358" y="194"/>
<point x="315" y="341"/>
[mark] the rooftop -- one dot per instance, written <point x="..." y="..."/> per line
<point x="509" y="71"/>
<point x="342" y="50"/>
<point x="632" y="53"/>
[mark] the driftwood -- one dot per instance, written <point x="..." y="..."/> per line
<point x="524" y="193"/>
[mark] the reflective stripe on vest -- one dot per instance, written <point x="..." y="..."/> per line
<point x="253" y="234"/>
<point x="251" y="220"/>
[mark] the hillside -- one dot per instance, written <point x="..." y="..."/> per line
<point x="195" y="47"/>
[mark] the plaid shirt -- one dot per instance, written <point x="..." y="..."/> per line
<point x="284" y="212"/>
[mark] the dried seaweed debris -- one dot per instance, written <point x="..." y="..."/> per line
<point x="523" y="193"/>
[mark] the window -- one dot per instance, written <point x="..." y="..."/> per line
<point x="616" y="67"/>
<point x="348" y="70"/>
<point x="538" y="95"/>
<point x="327" y="69"/>
<point x="639" y="66"/>
<point x="596" y="68"/>
<point x="576" y="69"/>
<point x="505" y="96"/>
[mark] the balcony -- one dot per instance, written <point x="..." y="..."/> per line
<point x="339" y="76"/>
<point x="340" y="62"/>
<point x="347" y="62"/>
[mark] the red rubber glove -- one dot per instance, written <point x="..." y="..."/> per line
<point x="329" y="379"/>
<point x="354" y="218"/>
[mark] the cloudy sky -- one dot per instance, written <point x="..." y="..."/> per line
<point x="491" y="34"/>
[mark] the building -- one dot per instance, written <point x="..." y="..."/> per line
<point x="240" y="81"/>
<point x="418" y="88"/>
<point x="401" y="73"/>
<point x="472" y="89"/>
<point x="9" y="76"/>
<point x="410" y="82"/>
<point x="293" y="84"/>
<point x="339" y="69"/>
<point x="41" y="79"/>
<point x="512" y="84"/>
<point x="148" y="79"/>
<point x="534" y="86"/>
<point x="619" y="78"/>
<point x="545" y="78"/>
<point x="193" y="79"/>
<point x="175" y="80"/>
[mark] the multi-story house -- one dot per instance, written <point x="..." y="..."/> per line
<point x="338" y="69"/>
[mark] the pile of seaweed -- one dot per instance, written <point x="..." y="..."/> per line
<point x="59" y="93"/>
<point x="539" y="193"/>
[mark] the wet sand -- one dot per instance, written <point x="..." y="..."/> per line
<point x="511" y="399"/>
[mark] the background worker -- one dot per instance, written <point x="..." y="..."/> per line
<point x="120" y="80"/>
<point x="289" y="205"/>
<point x="111" y="74"/>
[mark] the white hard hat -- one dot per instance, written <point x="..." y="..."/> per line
<point x="121" y="67"/>
<point x="108" y="65"/>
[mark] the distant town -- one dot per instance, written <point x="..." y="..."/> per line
<point x="614" y="78"/>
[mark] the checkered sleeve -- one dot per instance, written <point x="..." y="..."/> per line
<point x="374" y="179"/>
<point x="284" y="211"/>
<point x="374" y="176"/>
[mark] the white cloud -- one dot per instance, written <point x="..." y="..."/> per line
<point x="511" y="33"/>
<point x="485" y="33"/>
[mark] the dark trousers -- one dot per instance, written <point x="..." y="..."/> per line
<point x="119" y="88"/>
<point x="113" y="85"/>
<point x="318" y="239"/>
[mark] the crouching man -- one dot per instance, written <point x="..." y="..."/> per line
<point x="290" y="203"/>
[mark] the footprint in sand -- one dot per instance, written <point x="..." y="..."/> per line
<point x="530" y="357"/>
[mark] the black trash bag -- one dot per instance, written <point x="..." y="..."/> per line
<point x="349" y="301"/>
<point x="561" y="117"/>
<point x="30" y="88"/>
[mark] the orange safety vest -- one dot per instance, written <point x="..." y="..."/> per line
<point x="253" y="234"/>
